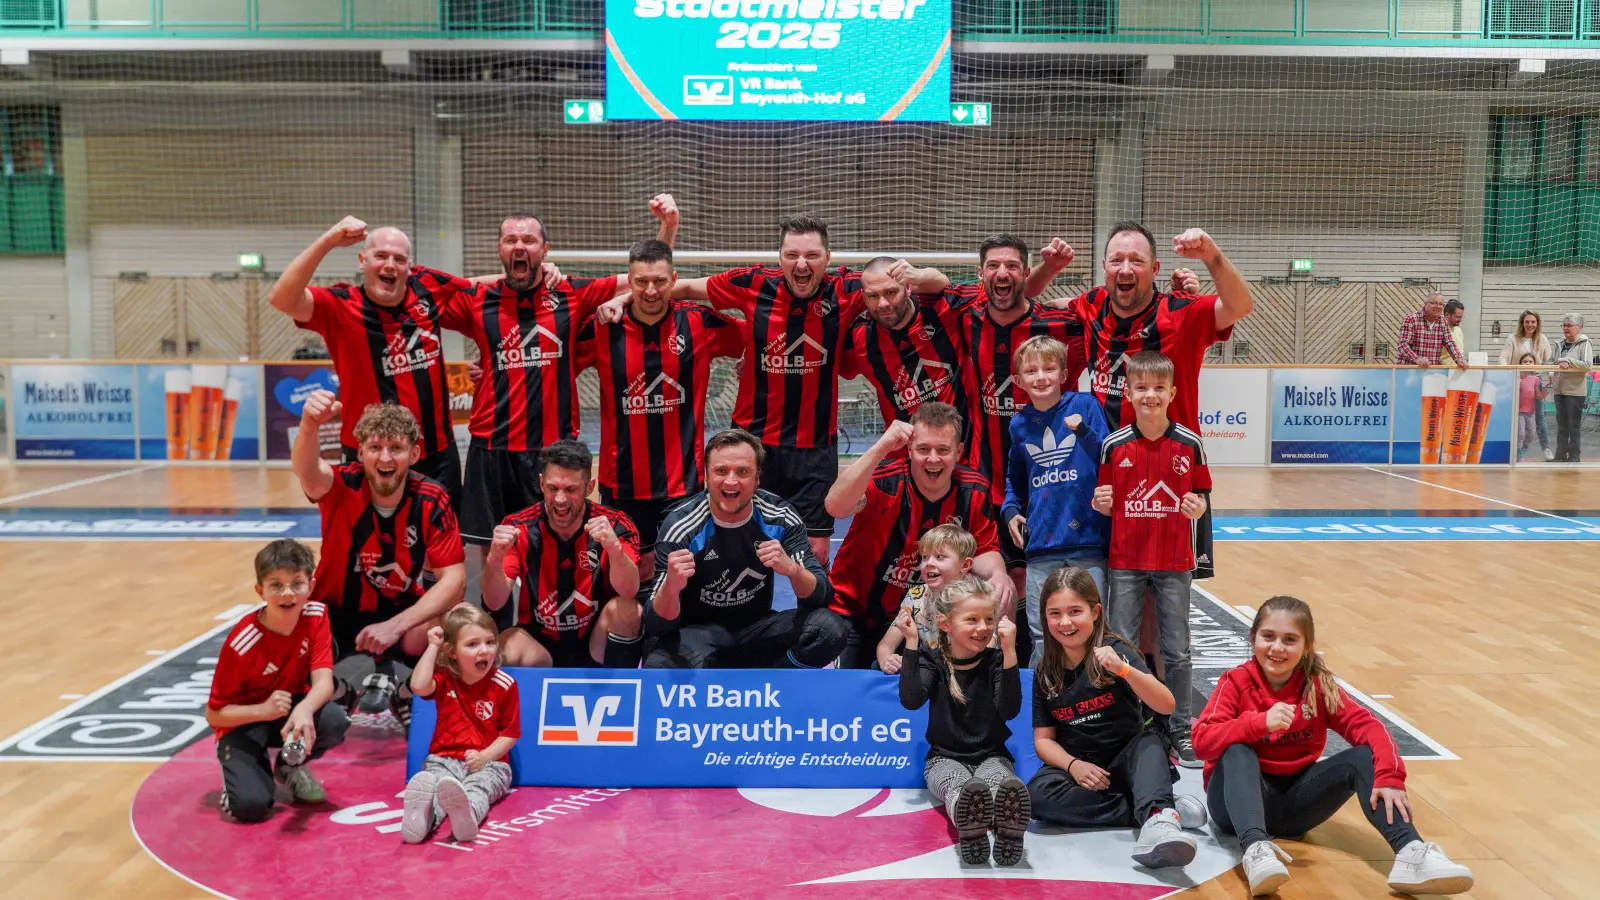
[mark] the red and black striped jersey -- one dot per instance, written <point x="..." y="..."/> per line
<point x="991" y="382"/>
<point x="878" y="560"/>
<point x="564" y="582"/>
<point x="255" y="661"/>
<point x="915" y="364"/>
<point x="374" y="562"/>
<point x="654" y="381"/>
<point x="1179" y="326"/>
<point x="789" y="381"/>
<point x="390" y="354"/>
<point x="527" y="398"/>
<point x="1148" y="480"/>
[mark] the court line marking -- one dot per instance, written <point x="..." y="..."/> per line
<point x="1390" y="715"/>
<point x="163" y="863"/>
<point x="90" y="698"/>
<point x="1477" y="496"/>
<point x="82" y="482"/>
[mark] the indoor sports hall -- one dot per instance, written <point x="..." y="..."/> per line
<point x="203" y="206"/>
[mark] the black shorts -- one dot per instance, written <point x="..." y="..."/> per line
<point x="1014" y="556"/>
<point x="791" y="638"/>
<point x="499" y="483"/>
<point x="443" y="467"/>
<point x="1205" y="563"/>
<point x="345" y="623"/>
<point x="571" y="654"/>
<point x="646" y="516"/>
<point x="803" y="476"/>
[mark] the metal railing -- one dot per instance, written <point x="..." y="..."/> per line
<point x="1377" y="22"/>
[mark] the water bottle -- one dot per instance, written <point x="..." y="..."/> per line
<point x="293" y="752"/>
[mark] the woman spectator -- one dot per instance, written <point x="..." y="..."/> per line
<point x="1529" y="338"/>
<point x="1575" y="357"/>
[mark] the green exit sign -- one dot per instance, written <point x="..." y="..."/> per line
<point x="970" y="114"/>
<point x="1301" y="266"/>
<point x="583" y="112"/>
<point x="251" y="262"/>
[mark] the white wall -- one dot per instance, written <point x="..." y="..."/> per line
<point x="1550" y="291"/>
<point x="33" y="306"/>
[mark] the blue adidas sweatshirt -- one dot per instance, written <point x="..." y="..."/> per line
<point x="1051" y="476"/>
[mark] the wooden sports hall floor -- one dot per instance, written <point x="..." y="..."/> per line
<point x="1488" y="647"/>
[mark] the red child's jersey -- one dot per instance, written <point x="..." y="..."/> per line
<point x="256" y="661"/>
<point x="472" y="716"/>
<point x="1148" y="480"/>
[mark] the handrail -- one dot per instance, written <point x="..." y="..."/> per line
<point x="1501" y="23"/>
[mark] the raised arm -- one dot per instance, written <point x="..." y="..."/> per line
<point x="494" y="582"/>
<point x="1054" y="258"/>
<point x="316" y="476"/>
<point x="621" y="562"/>
<point x="1233" y="301"/>
<point x="849" y="490"/>
<point x="665" y="209"/>
<point x="291" y="293"/>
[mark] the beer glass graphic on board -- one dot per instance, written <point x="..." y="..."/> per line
<point x="1460" y="408"/>
<point x="205" y="405"/>
<point x="1480" y="424"/>
<point x="1433" y="391"/>
<point x="178" y="384"/>
<point x="230" y="415"/>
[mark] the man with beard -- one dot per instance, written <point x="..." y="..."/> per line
<point x="1128" y="315"/>
<point x="383" y="336"/>
<point x="893" y="504"/>
<point x="798" y="316"/>
<point x="578" y="562"/>
<point x="527" y="397"/>
<point x="655" y="369"/>
<point x="385" y="530"/>
<point x="908" y="348"/>
<point x="717" y="559"/>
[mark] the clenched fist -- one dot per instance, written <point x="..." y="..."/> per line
<point x="680" y="568"/>
<point x="350" y="230"/>
<point x="320" y="407"/>
<point x="1056" y="255"/>
<point x="505" y="537"/>
<point x="1196" y="244"/>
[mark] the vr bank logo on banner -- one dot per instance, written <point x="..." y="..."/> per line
<point x="590" y="712"/>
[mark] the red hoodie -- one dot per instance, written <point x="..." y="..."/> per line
<point x="1237" y="714"/>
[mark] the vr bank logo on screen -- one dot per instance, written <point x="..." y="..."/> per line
<point x="590" y="712"/>
<point x="708" y="90"/>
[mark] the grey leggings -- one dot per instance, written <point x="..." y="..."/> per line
<point x="946" y="776"/>
<point x="485" y="787"/>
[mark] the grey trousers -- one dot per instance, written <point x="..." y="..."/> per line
<point x="1039" y="570"/>
<point x="1172" y="617"/>
<point x="485" y="787"/>
<point x="946" y="776"/>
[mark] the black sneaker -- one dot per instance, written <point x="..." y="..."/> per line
<point x="972" y="815"/>
<point x="1183" y="747"/>
<point x="400" y="708"/>
<point x="377" y="692"/>
<point x="1013" y="809"/>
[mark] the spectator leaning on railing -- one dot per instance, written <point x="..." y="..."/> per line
<point x="1454" y="312"/>
<point x="1425" y="336"/>
<point x="1574" y="356"/>
<point x="1529" y="339"/>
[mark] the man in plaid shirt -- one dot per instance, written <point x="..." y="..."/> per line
<point x="1424" y="336"/>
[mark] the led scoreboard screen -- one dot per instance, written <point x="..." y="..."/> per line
<point x="778" y="60"/>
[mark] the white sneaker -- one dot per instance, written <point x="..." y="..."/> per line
<point x="1191" y="812"/>
<point x="457" y="808"/>
<point x="1263" y="869"/>
<point x="1162" y="842"/>
<point x="417" y="823"/>
<point x="1424" y="869"/>
<point x="1549" y="455"/>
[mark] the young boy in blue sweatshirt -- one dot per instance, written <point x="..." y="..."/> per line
<point x="1051" y="475"/>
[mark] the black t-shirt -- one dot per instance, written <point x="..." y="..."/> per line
<point x="969" y="732"/>
<point x="1092" y="723"/>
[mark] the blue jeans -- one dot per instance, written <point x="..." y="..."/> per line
<point x="1039" y="569"/>
<point x="1172" y="616"/>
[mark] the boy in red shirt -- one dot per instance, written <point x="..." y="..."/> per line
<point x="479" y="720"/>
<point x="1152" y="479"/>
<point x="273" y="687"/>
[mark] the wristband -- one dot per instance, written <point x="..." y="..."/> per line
<point x="1069" y="766"/>
<point x="1126" y="668"/>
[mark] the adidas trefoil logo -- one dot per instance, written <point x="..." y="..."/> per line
<point x="1052" y="453"/>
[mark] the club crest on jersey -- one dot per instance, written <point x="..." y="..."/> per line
<point x="1150" y="501"/>
<point x="387" y="579"/>
<point x="411" y="535"/>
<point x="552" y="303"/>
<point x="305" y="646"/>
<point x="732" y="590"/>
<point x="571" y="614"/>
<point x="590" y="560"/>
<point x="801" y="355"/>
<point x="678" y="345"/>
<point x="658" y="396"/>
<point x="921" y="384"/>
<point x="1001" y="399"/>
<point x="538" y="348"/>
<point x="409" y="352"/>
<point x="484" y="709"/>
<point x="1180" y="464"/>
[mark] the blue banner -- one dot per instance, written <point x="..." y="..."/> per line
<point x="1331" y="415"/>
<point x="778" y="60"/>
<point x="74" y="411"/>
<point x="221" y="405"/>
<point x="1491" y="391"/>
<point x="718" y="728"/>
